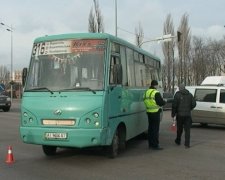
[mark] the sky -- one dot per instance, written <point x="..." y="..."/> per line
<point x="35" y="18"/>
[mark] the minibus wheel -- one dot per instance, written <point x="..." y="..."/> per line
<point x="113" y="149"/>
<point x="49" y="150"/>
<point x="122" y="138"/>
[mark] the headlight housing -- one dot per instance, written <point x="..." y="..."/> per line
<point x="91" y="120"/>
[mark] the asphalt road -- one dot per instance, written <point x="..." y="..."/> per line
<point x="205" y="160"/>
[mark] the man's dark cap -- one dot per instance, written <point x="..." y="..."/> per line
<point x="154" y="83"/>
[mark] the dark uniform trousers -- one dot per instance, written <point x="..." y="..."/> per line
<point x="153" y="129"/>
<point x="183" y="122"/>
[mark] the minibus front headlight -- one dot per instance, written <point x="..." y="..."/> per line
<point x="96" y="123"/>
<point x="88" y="120"/>
<point x="30" y="119"/>
<point x="25" y="114"/>
<point x="95" y="114"/>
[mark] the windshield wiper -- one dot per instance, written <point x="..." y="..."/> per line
<point x="79" y="88"/>
<point x="40" y="88"/>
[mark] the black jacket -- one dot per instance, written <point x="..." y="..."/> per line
<point x="183" y="103"/>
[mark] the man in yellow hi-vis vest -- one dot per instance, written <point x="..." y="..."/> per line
<point x="153" y="103"/>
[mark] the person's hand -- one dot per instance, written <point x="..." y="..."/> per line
<point x="174" y="119"/>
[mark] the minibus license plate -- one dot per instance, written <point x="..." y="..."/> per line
<point x="56" y="135"/>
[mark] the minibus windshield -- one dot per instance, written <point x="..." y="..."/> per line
<point x="69" y="64"/>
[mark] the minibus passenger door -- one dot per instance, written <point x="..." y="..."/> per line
<point x="115" y="86"/>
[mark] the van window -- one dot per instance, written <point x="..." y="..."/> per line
<point x="222" y="96"/>
<point x="205" y="95"/>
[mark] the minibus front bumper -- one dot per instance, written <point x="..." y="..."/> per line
<point x="64" y="137"/>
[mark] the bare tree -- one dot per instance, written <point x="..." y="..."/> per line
<point x="91" y="22"/>
<point x="195" y="61"/>
<point x="198" y="61"/>
<point x="95" y="19"/>
<point x="139" y="35"/>
<point x="184" y="47"/>
<point x="223" y="48"/>
<point x="168" y="51"/>
<point x="207" y="59"/>
<point x="222" y="52"/>
<point x="215" y="56"/>
<point x="164" y="79"/>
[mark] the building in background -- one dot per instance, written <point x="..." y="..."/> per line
<point x="17" y="84"/>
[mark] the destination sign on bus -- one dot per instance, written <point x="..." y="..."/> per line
<point x="87" y="45"/>
<point x="67" y="46"/>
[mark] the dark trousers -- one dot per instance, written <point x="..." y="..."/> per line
<point x="153" y="129"/>
<point x="183" y="122"/>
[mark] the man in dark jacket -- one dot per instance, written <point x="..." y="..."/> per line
<point x="182" y="105"/>
<point x="153" y="102"/>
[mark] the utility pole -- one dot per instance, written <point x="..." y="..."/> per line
<point x="178" y="40"/>
<point x="116" y="18"/>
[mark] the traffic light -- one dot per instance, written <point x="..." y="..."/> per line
<point x="179" y="36"/>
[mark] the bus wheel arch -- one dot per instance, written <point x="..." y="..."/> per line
<point x="118" y="141"/>
<point x="49" y="150"/>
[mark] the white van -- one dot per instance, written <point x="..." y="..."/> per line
<point x="210" y="98"/>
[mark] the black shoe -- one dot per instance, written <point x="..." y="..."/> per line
<point x="186" y="147"/>
<point x="157" y="148"/>
<point x="177" y="142"/>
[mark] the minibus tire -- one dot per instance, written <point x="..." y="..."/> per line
<point x="49" y="150"/>
<point x="113" y="149"/>
<point x="122" y="138"/>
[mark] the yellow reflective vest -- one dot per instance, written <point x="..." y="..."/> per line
<point x="149" y="101"/>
